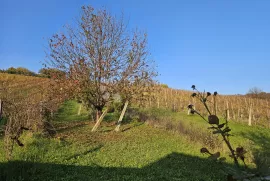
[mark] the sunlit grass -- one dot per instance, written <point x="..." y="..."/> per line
<point x="139" y="152"/>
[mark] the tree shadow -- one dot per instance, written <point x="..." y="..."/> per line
<point x="174" y="166"/>
<point x="124" y="127"/>
<point x="75" y="156"/>
<point x="260" y="150"/>
<point x="133" y="126"/>
<point x="70" y="126"/>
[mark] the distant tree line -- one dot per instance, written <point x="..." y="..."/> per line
<point x="19" y="70"/>
<point x="44" y="72"/>
<point x="256" y="92"/>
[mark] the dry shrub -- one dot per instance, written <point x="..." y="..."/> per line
<point x="191" y="132"/>
<point x="195" y="134"/>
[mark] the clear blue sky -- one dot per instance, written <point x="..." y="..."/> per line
<point x="221" y="45"/>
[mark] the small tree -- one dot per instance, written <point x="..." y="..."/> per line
<point x="50" y="72"/>
<point x="254" y="92"/>
<point x="101" y="56"/>
<point x="11" y="70"/>
<point x="25" y="71"/>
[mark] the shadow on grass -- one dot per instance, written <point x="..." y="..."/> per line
<point x="123" y="127"/>
<point x="133" y="126"/>
<point x="85" y="153"/>
<point x="69" y="127"/>
<point x="174" y="166"/>
<point x="261" y="151"/>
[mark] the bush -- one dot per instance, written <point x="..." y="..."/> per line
<point x="3" y="121"/>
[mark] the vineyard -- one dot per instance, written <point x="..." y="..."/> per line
<point x="30" y="104"/>
<point x="97" y="109"/>
<point x="34" y="100"/>
<point x="239" y="108"/>
<point x="27" y="104"/>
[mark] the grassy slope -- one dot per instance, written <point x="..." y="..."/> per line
<point x="140" y="152"/>
<point x="69" y="112"/>
<point x="256" y="140"/>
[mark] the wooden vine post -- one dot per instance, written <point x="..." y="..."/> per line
<point x="79" y="110"/>
<point x="228" y="110"/>
<point x="121" y="117"/>
<point x="1" y="108"/>
<point x="250" y="114"/>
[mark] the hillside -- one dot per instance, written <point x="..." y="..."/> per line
<point x="142" y="151"/>
<point x="249" y="109"/>
<point x="157" y="142"/>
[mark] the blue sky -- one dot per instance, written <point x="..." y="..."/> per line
<point x="218" y="45"/>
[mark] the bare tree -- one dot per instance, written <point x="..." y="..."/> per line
<point x="254" y="92"/>
<point x="102" y="57"/>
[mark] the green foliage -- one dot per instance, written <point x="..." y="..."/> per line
<point x="3" y="121"/>
<point x="44" y="72"/>
<point x="116" y="106"/>
<point x="20" y="70"/>
<point x="164" y="85"/>
<point x="69" y="112"/>
<point x="49" y="72"/>
<point x="11" y="70"/>
<point x="112" y="117"/>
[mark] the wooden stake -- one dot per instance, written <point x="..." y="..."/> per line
<point x="228" y="112"/>
<point x="250" y="115"/>
<point x="121" y="117"/>
<point x="1" y="108"/>
<point x="79" y="111"/>
<point x="99" y="120"/>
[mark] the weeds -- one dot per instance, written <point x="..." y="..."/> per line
<point x="224" y="130"/>
<point x="169" y="120"/>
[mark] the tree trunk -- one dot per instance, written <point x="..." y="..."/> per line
<point x="79" y="111"/>
<point x="98" y="114"/>
<point x="99" y="120"/>
<point x="121" y="117"/>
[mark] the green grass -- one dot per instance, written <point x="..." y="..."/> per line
<point x="139" y="152"/>
<point x="254" y="139"/>
<point x="69" y="112"/>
